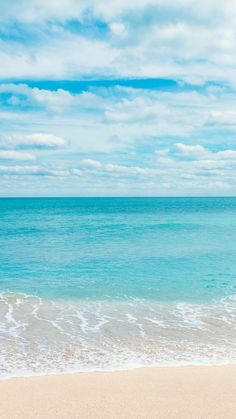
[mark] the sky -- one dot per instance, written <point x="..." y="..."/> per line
<point x="117" y="98"/>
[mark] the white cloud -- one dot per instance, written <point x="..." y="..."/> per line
<point x="114" y="133"/>
<point x="54" y="100"/>
<point x="23" y="94"/>
<point x="61" y="57"/>
<point x="118" y="28"/>
<point x="15" y="155"/>
<point x="31" y="170"/>
<point x="150" y="112"/>
<point x="222" y="117"/>
<point x="192" y="150"/>
<point x="201" y="153"/>
<point x="207" y="171"/>
<point x="19" y="170"/>
<point x="164" y="39"/>
<point x="94" y="164"/>
<point x="226" y="154"/>
<point x="35" y="140"/>
<point x="166" y="173"/>
<point x="41" y="10"/>
<point x="139" y="108"/>
<point x="118" y="169"/>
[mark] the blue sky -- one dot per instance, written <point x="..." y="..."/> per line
<point x="101" y="99"/>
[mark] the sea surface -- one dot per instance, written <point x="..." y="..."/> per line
<point x="115" y="283"/>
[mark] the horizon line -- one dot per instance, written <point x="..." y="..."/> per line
<point x="115" y="197"/>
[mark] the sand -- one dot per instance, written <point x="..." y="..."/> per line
<point x="160" y="393"/>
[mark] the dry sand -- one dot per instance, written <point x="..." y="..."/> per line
<point x="160" y="393"/>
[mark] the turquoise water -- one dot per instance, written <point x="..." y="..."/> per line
<point x="99" y="283"/>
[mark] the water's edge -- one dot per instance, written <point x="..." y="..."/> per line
<point x="43" y="337"/>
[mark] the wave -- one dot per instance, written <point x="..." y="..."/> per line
<point x="39" y="336"/>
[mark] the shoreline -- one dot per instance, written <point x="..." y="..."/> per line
<point x="181" y="392"/>
<point x="119" y="370"/>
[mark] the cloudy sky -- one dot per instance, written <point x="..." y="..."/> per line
<point x="117" y="98"/>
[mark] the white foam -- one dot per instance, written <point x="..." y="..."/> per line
<point x="44" y="337"/>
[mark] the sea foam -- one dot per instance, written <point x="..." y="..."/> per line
<point x="40" y="336"/>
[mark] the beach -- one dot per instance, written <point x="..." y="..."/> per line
<point x="107" y="304"/>
<point x="198" y="392"/>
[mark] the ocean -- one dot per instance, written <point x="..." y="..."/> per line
<point x="92" y="284"/>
